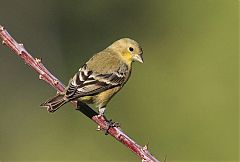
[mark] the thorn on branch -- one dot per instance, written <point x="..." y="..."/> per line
<point x="40" y="77"/>
<point x="1" y="28"/>
<point x="98" y="128"/>
<point x="21" y="50"/>
<point x="38" y="60"/>
<point x="20" y="53"/>
<point x="145" y="147"/>
<point x="55" y="82"/>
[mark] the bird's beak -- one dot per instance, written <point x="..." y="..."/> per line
<point x="138" y="58"/>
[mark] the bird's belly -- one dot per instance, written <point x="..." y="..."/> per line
<point x="103" y="98"/>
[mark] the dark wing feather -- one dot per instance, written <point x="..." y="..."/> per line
<point x="87" y="83"/>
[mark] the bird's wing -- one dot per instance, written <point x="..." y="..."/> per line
<point x="88" y="83"/>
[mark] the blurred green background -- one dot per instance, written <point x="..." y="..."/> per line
<point x="183" y="100"/>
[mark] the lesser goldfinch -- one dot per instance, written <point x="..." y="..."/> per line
<point x="98" y="80"/>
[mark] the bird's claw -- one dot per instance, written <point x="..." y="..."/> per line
<point x="110" y="124"/>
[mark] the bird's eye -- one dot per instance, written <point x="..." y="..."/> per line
<point x="131" y="49"/>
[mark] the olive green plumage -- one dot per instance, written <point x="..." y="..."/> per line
<point x="100" y="78"/>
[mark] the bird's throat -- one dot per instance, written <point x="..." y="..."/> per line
<point x="127" y="57"/>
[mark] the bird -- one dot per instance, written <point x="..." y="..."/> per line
<point x="101" y="77"/>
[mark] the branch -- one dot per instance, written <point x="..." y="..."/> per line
<point x="44" y="74"/>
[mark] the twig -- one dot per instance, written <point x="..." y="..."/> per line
<point x="44" y="74"/>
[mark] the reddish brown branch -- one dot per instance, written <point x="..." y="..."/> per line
<point x="45" y="75"/>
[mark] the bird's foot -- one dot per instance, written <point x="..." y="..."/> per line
<point x="111" y="124"/>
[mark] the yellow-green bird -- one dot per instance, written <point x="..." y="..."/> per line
<point x="98" y="80"/>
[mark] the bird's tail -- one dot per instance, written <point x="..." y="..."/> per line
<point x="55" y="103"/>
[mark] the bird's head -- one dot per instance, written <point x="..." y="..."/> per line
<point x="128" y="49"/>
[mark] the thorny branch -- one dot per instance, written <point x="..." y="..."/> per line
<point x="44" y="74"/>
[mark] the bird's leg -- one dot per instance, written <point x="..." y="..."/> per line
<point x="101" y="111"/>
